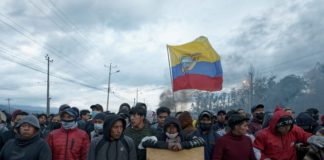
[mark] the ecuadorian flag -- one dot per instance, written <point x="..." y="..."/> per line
<point x="195" y="65"/>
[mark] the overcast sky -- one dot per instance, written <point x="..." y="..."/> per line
<point x="82" y="36"/>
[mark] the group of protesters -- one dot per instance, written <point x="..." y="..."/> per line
<point x="95" y="134"/>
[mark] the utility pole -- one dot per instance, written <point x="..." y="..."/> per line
<point x="251" y="75"/>
<point x="48" y="84"/>
<point x="8" y="99"/>
<point x="136" y="95"/>
<point x="108" y="89"/>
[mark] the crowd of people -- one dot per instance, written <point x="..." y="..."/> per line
<point x="96" y="134"/>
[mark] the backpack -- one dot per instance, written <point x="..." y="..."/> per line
<point x="102" y="142"/>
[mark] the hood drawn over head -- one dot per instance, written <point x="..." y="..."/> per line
<point x="279" y="113"/>
<point x="108" y="123"/>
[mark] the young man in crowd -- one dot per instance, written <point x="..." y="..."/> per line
<point x="68" y="142"/>
<point x="113" y="144"/>
<point x="11" y="133"/>
<point x="256" y="123"/>
<point x="98" y="121"/>
<point x="278" y="140"/>
<point x="42" y="118"/>
<point x="206" y="130"/>
<point x="84" y="119"/>
<point x="27" y="145"/>
<point x="235" y="144"/>
<point x="162" y="114"/>
<point x="220" y="121"/>
<point x="138" y="129"/>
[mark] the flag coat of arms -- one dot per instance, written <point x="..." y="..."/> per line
<point x="195" y="65"/>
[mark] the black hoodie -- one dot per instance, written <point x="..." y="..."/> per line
<point x="104" y="148"/>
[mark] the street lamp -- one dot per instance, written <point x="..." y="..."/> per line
<point x="109" y="75"/>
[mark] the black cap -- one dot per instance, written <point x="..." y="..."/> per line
<point x="256" y="107"/>
<point x="70" y="112"/>
<point x="63" y="107"/>
<point x="221" y="112"/>
<point x="97" y="107"/>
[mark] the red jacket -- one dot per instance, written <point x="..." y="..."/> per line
<point x="279" y="147"/>
<point x="72" y="144"/>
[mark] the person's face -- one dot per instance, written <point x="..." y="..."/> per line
<point x="42" y="119"/>
<point x="205" y="120"/>
<point x="171" y="129"/>
<point x="258" y="110"/>
<point x="116" y="130"/>
<point x="136" y="120"/>
<point x="242" y="128"/>
<point x="284" y="129"/>
<point x="98" y="121"/>
<point x="67" y="117"/>
<point x="27" y="131"/>
<point x="221" y="118"/>
<point x="162" y="117"/>
<point x="56" y="119"/>
<point x="86" y="117"/>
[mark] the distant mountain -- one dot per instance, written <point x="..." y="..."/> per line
<point x="27" y="108"/>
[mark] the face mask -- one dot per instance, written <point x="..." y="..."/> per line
<point x="68" y="124"/>
<point x="98" y="128"/>
<point x="171" y="136"/>
<point x="204" y="126"/>
<point x="93" y="114"/>
<point x="56" y="125"/>
<point x="259" y="116"/>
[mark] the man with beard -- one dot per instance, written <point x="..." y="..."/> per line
<point x="27" y="144"/>
<point x="256" y="123"/>
<point x="207" y="132"/>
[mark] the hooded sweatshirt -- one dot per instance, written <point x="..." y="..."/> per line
<point x="103" y="148"/>
<point x="34" y="148"/>
<point x="163" y="142"/>
<point x="279" y="147"/>
<point x="209" y="138"/>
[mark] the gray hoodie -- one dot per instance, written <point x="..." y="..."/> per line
<point x="102" y="148"/>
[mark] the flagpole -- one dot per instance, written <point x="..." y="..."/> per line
<point x="171" y="77"/>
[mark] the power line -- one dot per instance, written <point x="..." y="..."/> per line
<point x="89" y="41"/>
<point x="48" y="48"/>
<point x="53" y="75"/>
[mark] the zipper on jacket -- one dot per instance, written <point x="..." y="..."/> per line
<point x="72" y="144"/>
<point x="66" y="144"/>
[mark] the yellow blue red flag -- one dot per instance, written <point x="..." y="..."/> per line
<point x="195" y="65"/>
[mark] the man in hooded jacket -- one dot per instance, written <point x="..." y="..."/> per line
<point x="68" y="142"/>
<point x="113" y="144"/>
<point x="277" y="142"/>
<point x="27" y="145"/>
<point x="206" y="130"/>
